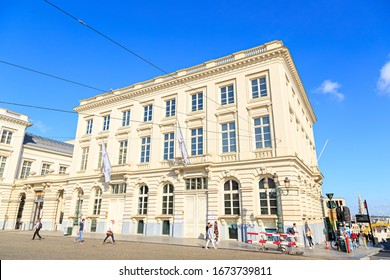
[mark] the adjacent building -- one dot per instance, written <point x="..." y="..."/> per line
<point x="30" y="166"/>
<point x="250" y="160"/>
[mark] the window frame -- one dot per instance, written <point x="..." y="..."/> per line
<point x="169" y="146"/>
<point x="106" y="122"/>
<point x="3" y="162"/>
<point x="148" y="113"/>
<point x="258" y="87"/>
<point x="270" y="196"/>
<point x="84" y="158"/>
<point x="145" y="149"/>
<point x="229" y="144"/>
<point x="167" y="199"/>
<point x="25" y="172"/>
<point x="261" y="136"/>
<point x="6" y="136"/>
<point x="231" y="197"/>
<point x="89" y="126"/>
<point x="122" y="155"/>
<point x="197" y="141"/>
<point x="227" y="97"/>
<point x="126" y="117"/>
<point x="45" y="168"/>
<point x="143" y="194"/>
<point x="197" y="101"/>
<point x="170" y="108"/>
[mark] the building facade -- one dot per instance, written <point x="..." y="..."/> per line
<point x="247" y="124"/>
<point x="30" y="166"/>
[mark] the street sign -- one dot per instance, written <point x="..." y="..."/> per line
<point x="331" y="204"/>
<point x="329" y="195"/>
<point x="362" y="218"/>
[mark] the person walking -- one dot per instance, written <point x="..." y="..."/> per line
<point x="81" y="229"/>
<point x="37" y="227"/>
<point x="309" y="236"/>
<point x="216" y="232"/>
<point x="210" y="237"/>
<point x="110" y="232"/>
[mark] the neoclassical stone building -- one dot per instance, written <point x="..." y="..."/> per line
<point x="247" y="124"/>
<point x="30" y="167"/>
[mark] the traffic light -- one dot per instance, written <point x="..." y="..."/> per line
<point x="346" y="215"/>
<point x="339" y="214"/>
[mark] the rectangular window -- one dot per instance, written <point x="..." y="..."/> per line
<point x="170" y="108"/>
<point x="145" y="149"/>
<point x="122" y="152"/>
<point x="196" y="184"/>
<point x="62" y="170"/>
<point x="101" y="155"/>
<point x="197" y="101"/>
<point x="89" y="126"/>
<point x="262" y="132"/>
<point x="45" y="169"/>
<point x="227" y="95"/>
<point x="84" y="158"/>
<point x="197" y="141"/>
<point x="106" y="122"/>
<point x="169" y="145"/>
<point x="26" y="168"/>
<point x="6" y="136"/>
<point x="148" y="113"/>
<point x="118" y="188"/>
<point x="126" y="118"/>
<point x="259" y="87"/>
<point x="97" y="206"/>
<point x="2" y="165"/>
<point x="228" y="137"/>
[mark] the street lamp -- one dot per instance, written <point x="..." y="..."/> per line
<point x="279" y="192"/>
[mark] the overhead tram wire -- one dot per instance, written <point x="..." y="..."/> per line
<point x="89" y="115"/>
<point x="133" y="53"/>
<point x="52" y="76"/>
<point x="76" y="83"/>
<point x="73" y="82"/>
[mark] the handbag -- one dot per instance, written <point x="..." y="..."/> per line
<point x="109" y="233"/>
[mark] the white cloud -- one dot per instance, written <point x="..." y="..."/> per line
<point x="331" y="88"/>
<point x="384" y="79"/>
<point x="40" y="126"/>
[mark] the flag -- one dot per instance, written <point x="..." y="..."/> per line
<point x="182" y="146"/>
<point x="106" y="166"/>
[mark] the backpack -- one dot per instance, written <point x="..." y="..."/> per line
<point x="40" y="225"/>
<point x="291" y="230"/>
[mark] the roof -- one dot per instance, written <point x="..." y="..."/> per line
<point x="36" y="141"/>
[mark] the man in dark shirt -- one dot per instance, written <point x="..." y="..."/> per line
<point x="81" y="229"/>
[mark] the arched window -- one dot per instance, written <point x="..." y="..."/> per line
<point x="143" y="200"/>
<point x="267" y="194"/>
<point x="167" y="200"/>
<point x="231" y="198"/>
<point x="97" y="201"/>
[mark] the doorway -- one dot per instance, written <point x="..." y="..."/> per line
<point x="195" y="215"/>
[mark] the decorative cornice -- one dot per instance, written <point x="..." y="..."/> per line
<point x="14" y="120"/>
<point x="181" y="77"/>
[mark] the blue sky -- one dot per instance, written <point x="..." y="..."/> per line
<point x="341" y="50"/>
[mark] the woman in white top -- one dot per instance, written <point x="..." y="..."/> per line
<point x="110" y="232"/>
<point x="210" y="237"/>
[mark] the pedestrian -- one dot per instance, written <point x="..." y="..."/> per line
<point x="354" y="238"/>
<point x="81" y="229"/>
<point x="210" y="236"/>
<point x="37" y="227"/>
<point x="309" y="236"/>
<point x="365" y="240"/>
<point x="110" y="232"/>
<point x="216" y="232"/>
